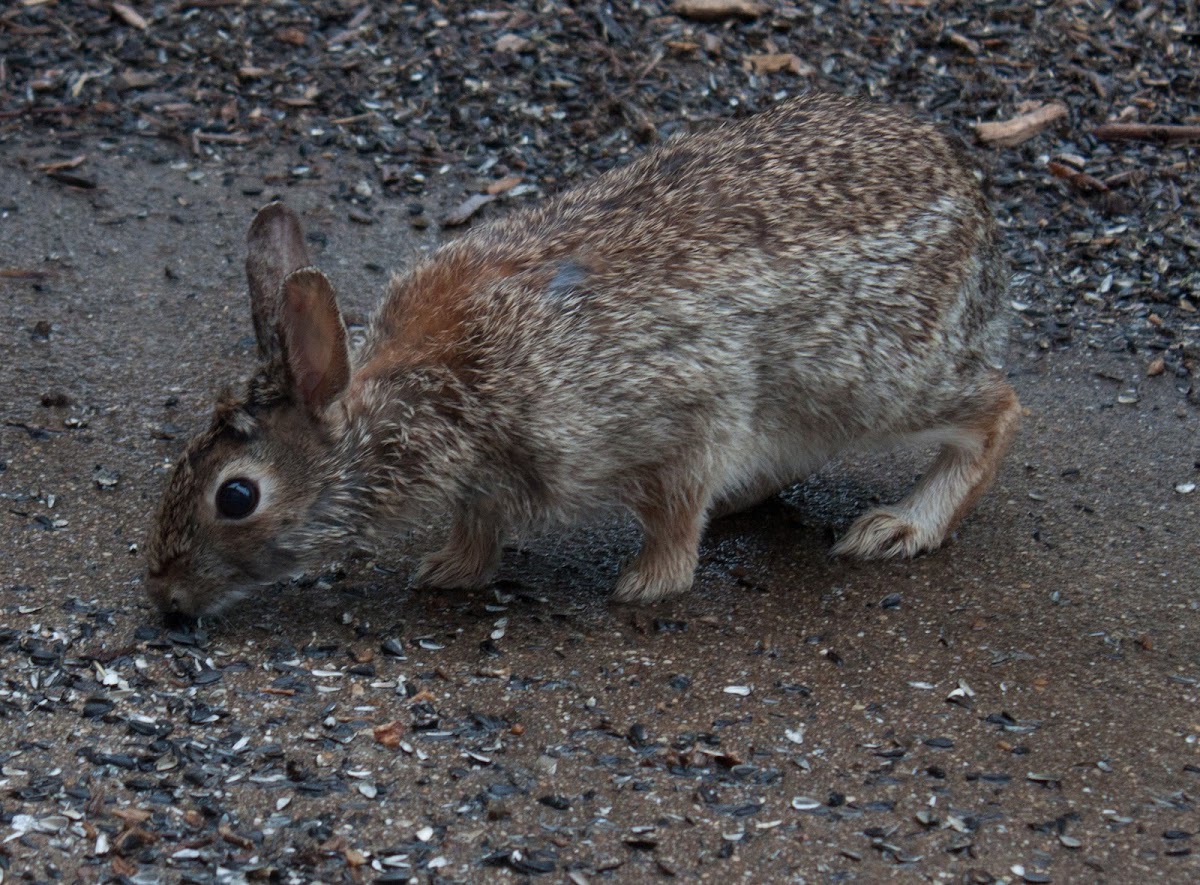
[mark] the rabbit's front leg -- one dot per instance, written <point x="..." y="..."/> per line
<point x="672" y="513"/>
<point x="470" y="556"/>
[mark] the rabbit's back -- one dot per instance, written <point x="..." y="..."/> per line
<point x="757" y="296"/>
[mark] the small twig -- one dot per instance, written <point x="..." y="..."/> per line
<point x="1160" y="132"/>
<point x="29" y="109"/>
<point x="223" y="137"/>
<point x="352" y="27"/>
<point x="1079" y="180"/>
<point x="130" y="16"/>
<point x="355" y="118"/>
<point x="1129" y="175"/>
<point x="207" y="4"/>
<point x="1009" y="133"/>
<point x="964" y="42"/>
<point x="62" y="165"/>
<point x="19" y="273"/>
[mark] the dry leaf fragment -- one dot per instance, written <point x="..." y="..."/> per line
<point x="1009" y="133"/>
<point x="389" y="734"/>
<point x="130" y="16"/>
<point x="718" y="10"/>
<point x="773" y="63"/>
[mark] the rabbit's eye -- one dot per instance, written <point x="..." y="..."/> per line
<point x="237" y="498"/>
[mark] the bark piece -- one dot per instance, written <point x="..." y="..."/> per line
<point x="1009" y="133"/>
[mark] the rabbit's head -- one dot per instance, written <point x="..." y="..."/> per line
<point x="250" y="499"/>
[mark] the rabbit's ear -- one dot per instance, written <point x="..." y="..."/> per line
<point x="274" y="248"/>
<point x="313" y="338"/>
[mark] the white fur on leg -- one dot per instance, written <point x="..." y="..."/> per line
<point x="885" y="533"/>
<point x="651" y="578"/>
<point x="963" y="468"/>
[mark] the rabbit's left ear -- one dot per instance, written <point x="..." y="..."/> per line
<point x="313" y="338"/>
<point x="274" y="248"/>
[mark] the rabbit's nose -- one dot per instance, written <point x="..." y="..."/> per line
<point x="162" y="580"/>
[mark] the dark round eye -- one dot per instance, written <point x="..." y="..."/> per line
<point x="237" y="498"/>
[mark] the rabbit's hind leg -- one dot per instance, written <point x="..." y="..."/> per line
<point x="974" y="439"/>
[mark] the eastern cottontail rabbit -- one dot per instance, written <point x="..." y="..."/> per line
<point x="680" y="337"/>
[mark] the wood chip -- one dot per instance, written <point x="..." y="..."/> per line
<point x="291" y="36"/>
<point x="131" y="815"/>
<point x="130" y="16"/>
<point x="503" y="185"/>
<point x="1009" y="133"/>
<point x="462" y="213"/>
<point x="718" y="10"/>
<point x="773" y="63"/>
<point x="233" y="838"/>
<point x="135" y="80"/>
<point x="512" y="43"/>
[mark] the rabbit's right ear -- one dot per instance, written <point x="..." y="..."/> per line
<point x="313" y="337"/>
<point x="274" y="249"/>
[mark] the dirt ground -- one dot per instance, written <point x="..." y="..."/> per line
<point x="1020" y="706"/>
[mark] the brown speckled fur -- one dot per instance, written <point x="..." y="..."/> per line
<point x="679" y="338"/>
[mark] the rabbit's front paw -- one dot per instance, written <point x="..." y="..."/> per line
<point x="648" y="580"/>
<point x="448" y="569"/>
